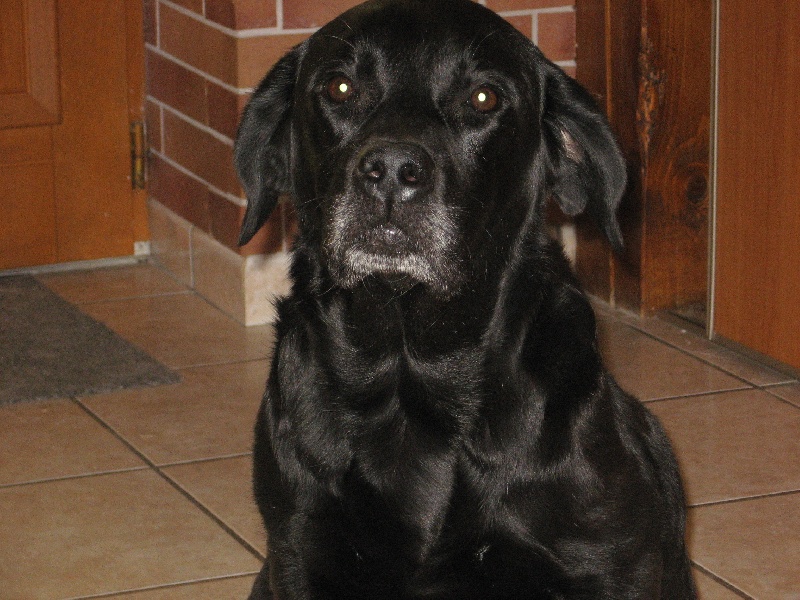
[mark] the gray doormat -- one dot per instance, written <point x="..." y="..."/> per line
<point x="50" y="349"/>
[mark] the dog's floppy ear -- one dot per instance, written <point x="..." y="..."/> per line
<point x="587" y="169"/>
<point x="262" y="150"/>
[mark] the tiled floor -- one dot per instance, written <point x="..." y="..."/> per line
<point x="144" y="494"/>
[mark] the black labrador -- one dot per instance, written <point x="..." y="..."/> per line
<point x="438" y="423"/>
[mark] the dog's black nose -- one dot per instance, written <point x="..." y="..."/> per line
<point x="395" y="171"/>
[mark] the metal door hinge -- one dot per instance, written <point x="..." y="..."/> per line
<point x="138" y="155"/>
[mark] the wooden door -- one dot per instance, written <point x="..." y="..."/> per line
<point x="648" y="63"/>
<point x="757" y="265"/>
<point x="71" y="81"/>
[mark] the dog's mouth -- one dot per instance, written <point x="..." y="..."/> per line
<point x="388" y="252"/>
<point x="411" y="242"/>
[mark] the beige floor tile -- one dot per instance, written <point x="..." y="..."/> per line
<point x="225" y="488"/>
<point x="108" y="533"/>
<point x="236" y="588"/>
<point x="709" y="589"/>
<point x="650" y="369"/>
<point x="115" y="283"/>
<point x="210" y="413"/>
<point x="754" y="545"/>
<point x="694" y="342"/>
<point x="734" y="444"/>
<point x="46" y="440"/>
<point x="183" y="330"/>
<point x="790" y="393"/>
<point x="724" y="358"/>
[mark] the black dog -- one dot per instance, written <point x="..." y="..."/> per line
<point x="438" y="424"/>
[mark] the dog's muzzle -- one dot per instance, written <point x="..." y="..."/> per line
<point x="392" y="221"/>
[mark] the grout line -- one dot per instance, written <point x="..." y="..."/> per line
<point x="207" y="76"/>
<point x="729" y="586"/>
<point x="155" y="468"/>
<point x="238" y="33"/>
<point x="745" y="499"/>
<point x="227" y="528"/>
<point x="626" y="319"/>
<point x="536" y="11"/>
<point x="221" y="137"/>
<point x="222" y="364"/>
<point x="236" y="200"/>
<point x="157" y="11"/>
<point x="205" y="365"/>
<point x="71" y="477"/>
<point x="162" y="269"/>
<point x="196" y="461"/>
<point x="686" y="352"/>
<point x="768" y="390"/>
<point x="696" y="394"/>
<point x="166" y="586"/>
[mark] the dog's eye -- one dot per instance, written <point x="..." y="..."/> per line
<point x="340" y="89"/>
<point x="484" y="99"/>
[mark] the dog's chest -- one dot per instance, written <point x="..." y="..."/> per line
<point x="408" y="424"/>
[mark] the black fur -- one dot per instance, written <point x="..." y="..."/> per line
<point x="438" y="423"/>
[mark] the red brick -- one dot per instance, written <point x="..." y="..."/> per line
<point x="182" y="194"/>
<point x="242" y="14"/>
<point x="557" y="35"/>
<point x="225" y="221"/>
<point x="223" y="109"/>
<point x="198" y="44"/>
<point x="183" y="90"/>
<point x="152" y="118"/>
<point x="149" y="22"/>
<point x="257" y="56"/>
<point x="303" y="14"/>
<point x="524" y="24"/>
<point x="201" y="153"/>
<point x="508" y="5"/>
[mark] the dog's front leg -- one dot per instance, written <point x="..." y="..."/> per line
<point x="261" y="588"/>
<point x="288" y="582"/>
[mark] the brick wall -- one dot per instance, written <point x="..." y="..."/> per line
<point x="203" y="57"/>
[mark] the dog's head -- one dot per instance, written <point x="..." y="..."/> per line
<point x="417" y="135"/>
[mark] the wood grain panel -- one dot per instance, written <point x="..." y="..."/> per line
<point x="648" y="61"/>
<point x="28" y="63"/>
<point x="28" y="227"/>
<point x="757" y="301"/>
<point x="13" y="59"/>
<point x="92" y="144"/>
<point x="27" y="207"/>
<point x="674" y="118"/>
<point x="32" y="144"/>
<point x="66" y="188"/>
